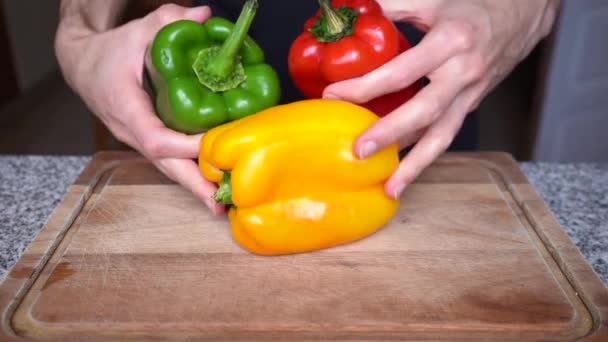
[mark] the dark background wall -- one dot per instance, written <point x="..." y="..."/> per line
<point x="39" y="114"/>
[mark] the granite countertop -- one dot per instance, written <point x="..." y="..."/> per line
<point x="32" y="186"/>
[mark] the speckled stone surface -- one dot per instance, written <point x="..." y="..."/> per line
<point x="577" y="194"/>
<point x="32" y="186"/>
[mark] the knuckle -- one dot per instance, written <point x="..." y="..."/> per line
<point x="392" y="129"/>
<point x="462" y="35"/>
<point x="393" y="78"/>
<point x="358" y="94"/>
<point x="444" y="37"/>
<point x="152" y="147"/>
<point x="457" y="67"/>
<point x="394" y="133"/>
<point x="438" y="141"/>
<point x="376" y="83"/>
<point x="167" y="13"/>
<point x="477" y="68"/>
<point x="425" y="111"/>
<point x="431" y="108"/>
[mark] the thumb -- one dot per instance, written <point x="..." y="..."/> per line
<point x="169" y="13"/>
<point x="166" y="14"/>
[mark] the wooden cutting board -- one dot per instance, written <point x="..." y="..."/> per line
<point x="473" y="254"/>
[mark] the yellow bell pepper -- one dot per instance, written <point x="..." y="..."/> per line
<point x="292" y="180"/>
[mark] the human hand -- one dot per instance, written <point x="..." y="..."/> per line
<point x="106" y="70"/>
<point x="470" y="46"/>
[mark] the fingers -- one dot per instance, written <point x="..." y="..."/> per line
<point x="169" y="13"/>
<point x="156" y="141"/>
<point x="443" y="42"/>
<point x="187" y="174"/>
<point x="170" y="151"/>
<point x="183" y="171"/>
<point x="421" y="111"/>
<point x="409" y="139"/>
<point x="435" y="140"/>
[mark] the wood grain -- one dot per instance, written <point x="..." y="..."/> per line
<point x="472" y="254"/>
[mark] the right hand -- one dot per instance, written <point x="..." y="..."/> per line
<point x="106" y="70"/>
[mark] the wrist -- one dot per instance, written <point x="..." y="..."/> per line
<point x="80" y="21"/>
<point x="69" y="44"/>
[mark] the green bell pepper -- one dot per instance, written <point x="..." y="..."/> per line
<point x="207" y="74"/>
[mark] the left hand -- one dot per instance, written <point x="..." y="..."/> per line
<point x="104" y="67"/>
<point x="469" y="47"/>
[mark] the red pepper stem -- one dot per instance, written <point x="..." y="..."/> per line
<point x="335" y="23"/>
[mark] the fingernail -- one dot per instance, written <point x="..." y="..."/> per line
<point x="330" y="96"/>
<point x="399" y="190"/>
<point x="367" y="148"/>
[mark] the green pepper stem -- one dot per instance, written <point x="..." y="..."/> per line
<point x="222" y="64"/>
<point x="334" y="23"/>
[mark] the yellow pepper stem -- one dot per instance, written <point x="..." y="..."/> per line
<point x="223" y="194"/>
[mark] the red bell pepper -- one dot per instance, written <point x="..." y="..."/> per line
<point x="343" y="40"/>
